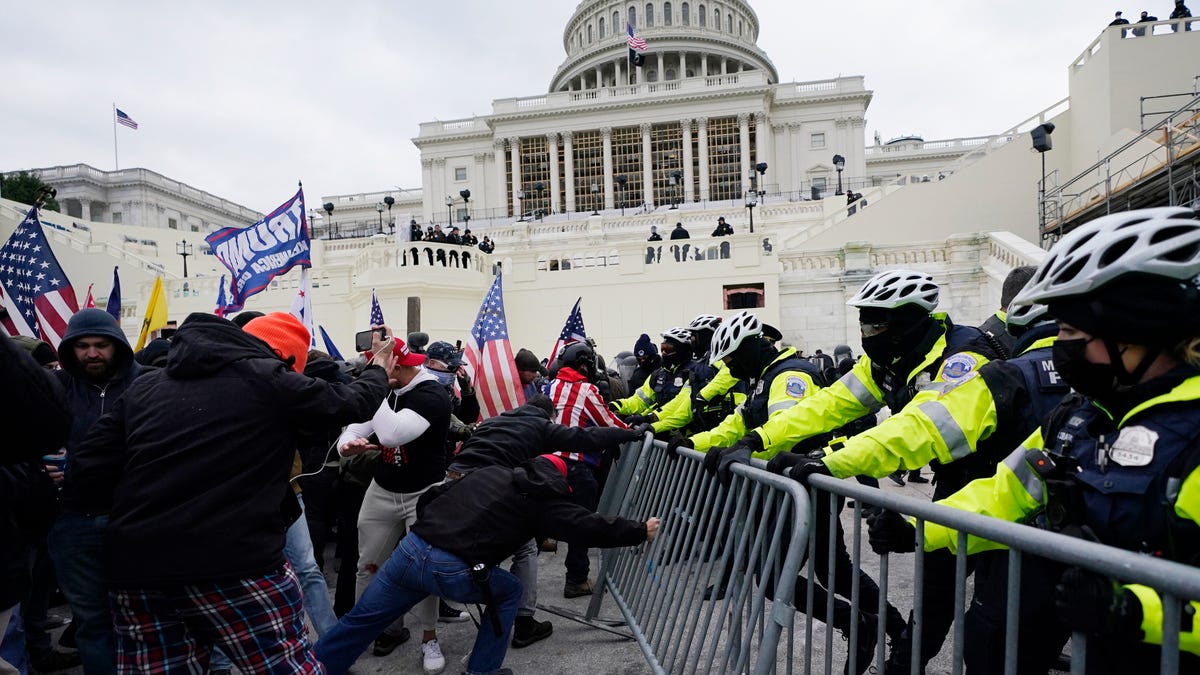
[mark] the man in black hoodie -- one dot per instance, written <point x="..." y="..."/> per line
<point x="97" y="368"/>
<point x="453" y="550"/>
<point x="192" y="465"/>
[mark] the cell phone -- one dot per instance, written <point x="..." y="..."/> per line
<point x="363" y="340"/>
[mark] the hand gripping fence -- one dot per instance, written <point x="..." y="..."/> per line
<point x="716" y="589"/>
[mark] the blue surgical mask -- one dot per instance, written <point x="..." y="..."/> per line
<point x="447" y="379"/>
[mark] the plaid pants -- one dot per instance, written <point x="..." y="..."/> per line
<point x="257" y="622"/>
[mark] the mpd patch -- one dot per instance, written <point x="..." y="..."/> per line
<point x="958" y="367"/>
<point x="796" y="387"/>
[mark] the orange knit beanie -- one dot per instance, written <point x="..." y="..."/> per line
<point x="285" y="334"/>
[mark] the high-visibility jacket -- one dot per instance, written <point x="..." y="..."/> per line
<point x="677" y="414"/>
<point x="954" y="356"/>
<point x="783" y="383"/>
<point x="1137" y="486"/>
<point x="662" y="386"/>
<point x="966" y="427"/>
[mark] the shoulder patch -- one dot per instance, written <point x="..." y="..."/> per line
<point x="958" y="367"/>
<point x="796" y="386"/>
<point x="950" y="385"/>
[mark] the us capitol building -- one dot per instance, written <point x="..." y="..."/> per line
<point x="569" y="183"/>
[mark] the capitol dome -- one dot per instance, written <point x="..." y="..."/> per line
<point x="685" y="39"/>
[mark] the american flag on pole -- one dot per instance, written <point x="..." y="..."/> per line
<point x="572" y="331"/>
<point x="634" y="41"/>
<point x="122" y="118"/>
<point x="222" y="301"/>
<point x="376" y="311"/>
<point x="33" y="288"/>
<point x="497" y="385"/>
<point x="302" y="306"/>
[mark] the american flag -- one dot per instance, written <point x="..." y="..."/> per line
<point x="33" y="287"/>
<point x="302" y="306"/>
<point x="122" y="118"/>
<point x="635" y="42"/>
<point x="376" y="312"/>
<point x="497" y="385"/>
<point x="572" y="331"/>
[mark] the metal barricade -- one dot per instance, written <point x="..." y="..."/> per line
<point x="697" y="598"/>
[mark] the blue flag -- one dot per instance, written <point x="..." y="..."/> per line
<point x="114" y="298"/>
<point x="222" y="303"/>
<point x="329" y="346"/>
<point x="257" y="254"/>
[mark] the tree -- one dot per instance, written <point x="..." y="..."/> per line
<point x="24" y="187"/>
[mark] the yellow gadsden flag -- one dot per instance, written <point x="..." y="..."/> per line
<point x="156" y="313"/>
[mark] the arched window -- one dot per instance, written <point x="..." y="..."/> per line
<point x="633" y="16"/>
<point x="589" y="33"/>
<point x="703" y="16"/>
<point x="729" y="22"/>
<point x="616" y="22"/>
<point x="741" y="27"/>
<point x="687" y="18"/>
<point x="670" y="74"/>
<point x="716" y="19"/>
<point x="649" y="15"/>
<point x="667" y="18"/>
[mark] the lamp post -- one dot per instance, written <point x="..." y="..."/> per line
<point x="539" y="187"/>
<point x="379" y="210"/>
<point x="1042" y="143"/>
<point x="761" y="168"/>
<point x="184" y="249"/>
<point x="751" y="202"/>
<point x="328" y="206"/>
<point x="466" y="196"/>
<point x="676" y="179"/>
<point x="449" y="211"/>
<point x="520" y="211"/>
<point x="622" y="179"/>
<point x="839" y="163"/>
<point x="390" y="200"/>
<point x="595" y="195"/>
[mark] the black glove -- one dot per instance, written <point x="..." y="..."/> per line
<point x="641" y="430"/>
<point x="635" y="420"/>
<point x="1096" y="605"/>
<point x="462" y="433"/>
<point x="676" y="442"/>
<point x="797" y="467"/>
<point x="720" y="461"/>
<point x="890" y="532"/>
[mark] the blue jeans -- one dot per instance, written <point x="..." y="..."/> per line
<point x="77" y="548"/>
<point x="12" y="641"/>
<point x="416" y="570"/>
<point x="298" y="549"/>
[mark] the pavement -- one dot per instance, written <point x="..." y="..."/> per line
<point x="576" y="648"/>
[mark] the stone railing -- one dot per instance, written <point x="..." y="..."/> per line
<point x="169" y="186"/>
<point x="996" y="252"/>
<point x="842" y="85"/>
<point x="563" y="99"/>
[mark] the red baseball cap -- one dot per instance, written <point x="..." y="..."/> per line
<point x="404" y="355"/>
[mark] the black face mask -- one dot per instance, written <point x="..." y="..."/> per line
<point x="1094" y="380"/>
<point x="894" y="344"/>
<point x="879" y="348"/>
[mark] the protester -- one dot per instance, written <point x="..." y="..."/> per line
<point x="531" y="372"/>
<point x="192" y="464"/>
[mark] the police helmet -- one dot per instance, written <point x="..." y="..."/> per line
<point x="577" y="354"/>
<point x="705" y="322"/>
<point x="682" y="336"/>
<point x="732" y="333"/>
<point x="897" y="288"/>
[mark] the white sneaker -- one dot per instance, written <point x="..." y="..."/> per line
<point x="431" y="657"/>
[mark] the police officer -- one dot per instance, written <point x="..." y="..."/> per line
<point x="711" y="392"/>
<point x="1116" y="462"/>
<point x="664" y="384"/>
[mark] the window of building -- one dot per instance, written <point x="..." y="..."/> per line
<point x="195" y="228"/>
<point x="670" y="74"/>
<point x="172" y="223"/>
<point x="460" y="173"/>
<point x="667" y="18"/>
<point x="729" y="22"/>
<point x="116" y="217"/>
<point x="627" y="161"/>
<point x="820" y="185"/>
<point x="589" y="32"/>
<point x="685" y="17"/>
<point x="649" y="15"/>
<point x="632" y="16"/>
<point x="724" y="158"/>
<point x="616" y="22"/>
<point x="701" y="15"/>
<point x="716" y="18"/>
<point x="745" y="296"/>
<point x="816" y="141"/>
<point x="741" y="27"/>
<point x="601" y="27"/>
<point x="461" y="215"/>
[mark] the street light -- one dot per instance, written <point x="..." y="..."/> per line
<point x="676" y="179"/>
<point x="328" y="206"/>
<point x="1042" y="143"/>
<point x="466" y="195"/>
<point x="390" y="200"/>
<point x="761" y="168"/>
<point x="539" y="187"/>
<point x="595" y="196"/>
<point x="449" y="211"/>
<point x="839" y="163"/>
<point x="751" y="202"/>
<point x="520" y="200"/>
<point x="379" y="210"/>
<point x="184" y="249"/>
<point x="622" y="179"/>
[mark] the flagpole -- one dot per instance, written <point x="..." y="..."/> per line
<point x="116" y="163"/>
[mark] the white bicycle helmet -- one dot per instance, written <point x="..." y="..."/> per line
<point x="1160" y="242"/>
<point x="705" y="322"/>
<point x="730" y="335"/>
<point x="896" y="288"/>
<point x="1024" y="316"/>
<point x="680" y="335"/>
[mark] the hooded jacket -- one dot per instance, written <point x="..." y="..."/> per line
<point x="518" y="435"/>
<point x="194" y="458"/>
<point x="485" y="516"/>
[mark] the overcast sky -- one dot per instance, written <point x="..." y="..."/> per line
<point x="242" y="99"/>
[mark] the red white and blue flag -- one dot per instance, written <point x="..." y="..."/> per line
<point x="572" y="331"/>
<point x="634" y="41"/>
<point x="124" y="119"/>
<point x="376" y="310"/>
<point x="222" y="301"/>
<point x="302" y="306"/>
<point x="257" y="254"/>
<point x="497" y="385"/>
<point x="33" y="287"/>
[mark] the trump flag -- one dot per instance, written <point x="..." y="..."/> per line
<point x="257" y="254"/>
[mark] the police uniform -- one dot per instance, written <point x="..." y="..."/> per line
<point x="662" y="386"/>
<point x="717" y="386"/>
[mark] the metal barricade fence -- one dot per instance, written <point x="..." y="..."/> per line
<point x="696" y="598"/>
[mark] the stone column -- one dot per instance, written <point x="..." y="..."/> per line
<point x="569" y="169"/>
<point x="552" y="146"/>
<point x="606" y="134"/>
<point x="439" y="182"/>
<point x="689" y="192"/>
<point x="761" y="144"/>
<point x="704" y="64"/>
<point x="647" y="167"/>
<point x="662" y="69"/>
<point x="724" y="65"/>
<point x="622" y="80"/>
<point x="702" y="141"/>
<point x="744" y="143"/>
<point x="85" y="210"/>
<point x="501" y="205"/>
<point x="427" y="183"/>
<point x="515" y="143"/>
<point x="599" y="78"/>
<point x="682" y="66"/>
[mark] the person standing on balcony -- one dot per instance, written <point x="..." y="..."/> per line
<point x="1181" y="11"/>
<point x="680" y="233"/>
<point x="724" y="229"/>
<point x="1119" y="20"/>
<point x="1145" y="18"/>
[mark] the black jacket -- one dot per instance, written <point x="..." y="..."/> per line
<point x="486" y="515"/>
<point x="517" y="436"/>
<point x="32" y="406"/>
<point x="28" y="505"/>
<point x="194" y="459"/>
<point x="680" y="233"/>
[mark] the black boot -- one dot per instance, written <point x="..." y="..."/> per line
<point x="868" y="636"/>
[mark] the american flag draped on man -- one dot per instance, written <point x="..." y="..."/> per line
<point x="33" y="287"/>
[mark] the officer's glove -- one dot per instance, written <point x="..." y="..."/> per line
<point x="720" y="461"/>
<point x="797" y="467"/>
<point x="635" y="420"/>
<point x="639" y="431"/>
<point x="890" y="532"/>
<point x="1097" y="605"/>
<point x="676" y="442"/>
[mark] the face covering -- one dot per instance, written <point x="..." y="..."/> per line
<point x="1094" y="380"/>
<point x="446" y="379"/>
